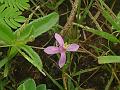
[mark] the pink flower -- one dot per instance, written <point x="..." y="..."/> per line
<point x="62" y="48"/>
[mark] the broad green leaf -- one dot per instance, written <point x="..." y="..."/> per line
<point x="108" y="59"/>
<point x="28" y="85"/>
<point x="6" y="34"/>
<point x="41" y="87"/>
<point x="38" y="26"/>
<point x="31" y="56"/>
<point x="105" y="35"/>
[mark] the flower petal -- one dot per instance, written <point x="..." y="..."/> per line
<point x="59" y="39"/>
<point x="73" y="47"/>
<point x="51" y="50"/>
<point x="62" y="60"/>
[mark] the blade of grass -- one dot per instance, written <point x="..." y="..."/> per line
<point x="53" y="80"/>
<point x="109" y="83"/>
<point x="105" y="35"/>
<point x="108" y="59"/>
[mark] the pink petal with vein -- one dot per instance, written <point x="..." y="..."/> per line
<point x="51" y="50"/>
<point x="73" y="47"/>
<point x="62" y="60"/>
<point x="59" y="39"/>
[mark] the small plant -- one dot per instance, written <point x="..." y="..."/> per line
<point x="17" y="40"/>
<point x="11" y="12"/>
<point x="29" y="84"/>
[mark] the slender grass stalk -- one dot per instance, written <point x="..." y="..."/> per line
<point x="53" y="80"/>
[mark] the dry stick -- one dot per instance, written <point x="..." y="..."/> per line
<point x="66" y="29"/>
<point x="70" y="19"/>
<point x="110" y="11"/>
<point x="113" y="4"/>
<point x="94" y="20"/>
<point x="28" y="19"/>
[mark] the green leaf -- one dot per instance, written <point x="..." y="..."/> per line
<point x="17" y="4"/>
<point x="10" y="55"/>
<point x="6" y="34"/>
<point x="41" y="87"/>
<point x="38" y="26"/>
<point x="6" y="69"/>
<point x="105" y="35"/>
<point x="28" y="85"/>
<point x="20" y="19"/>
<point x="70" y="85"/>
<point x="112" y="21"/>
<point x="31" y="56"/>
<point x="10" y="16"/>
<point x="3" y="62"/>
<point x="117" y="20"/>
<point x="108" y="59"/>
<point x="106" y="13"/>
<point x="53" y="4"/>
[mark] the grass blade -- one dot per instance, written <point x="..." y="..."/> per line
<point x="108" y="59"/>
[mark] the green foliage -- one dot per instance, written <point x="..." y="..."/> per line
<point x="54" y="4"/>
<point x="10" y="55"/>
<point x="117" y="20"/>
<point x="112" y="21"/>
<point x="41" y="87"/>
<point x="6" y="34"/>
<point x="108" y="59"/>
<point x="21" y="37"/>
<point x="115" y="25"/>
<point x="11" y="17"/>
<point x="37" y="27"/>
<point x="29" y="84"/>
<point x="17" y="4"/>
<point x="70" y="85"/>
<point x="11" y="12"/>
<point x="31" y="56"/>
<point x="105" y="35"/>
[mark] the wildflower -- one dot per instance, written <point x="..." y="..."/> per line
<point x="62" y="48"/>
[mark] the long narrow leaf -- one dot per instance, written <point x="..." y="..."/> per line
<point x="10" y="55"/>
<point x="108" y="59"/>
<point x="31" y="56"/>
<point x="105" y="35"/>
<point x="111" y="20"/>
<point x="3" y="62"/>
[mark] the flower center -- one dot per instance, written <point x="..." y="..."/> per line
<point x="65" y="45"/>
<point x="63" y="48"/>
